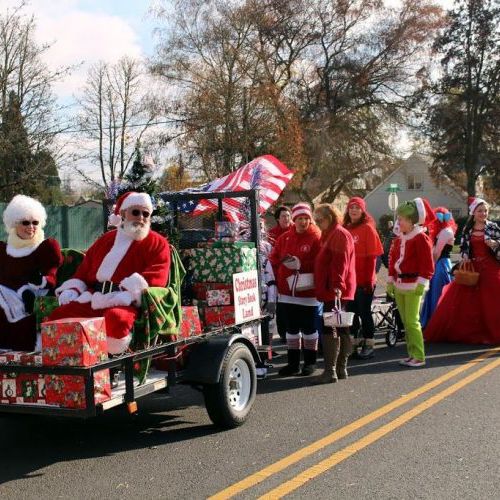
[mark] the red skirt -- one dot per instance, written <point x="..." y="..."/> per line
<point x="466" y="314"/>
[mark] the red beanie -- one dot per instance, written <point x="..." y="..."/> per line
<point x="301" y="209"/>
<point x="356" y="200"/>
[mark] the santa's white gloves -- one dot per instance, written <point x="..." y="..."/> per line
<point x="113" y="299"/>
<point x="67" y="296"/>
<point x="292" y="263"/>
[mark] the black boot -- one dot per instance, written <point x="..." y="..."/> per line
<point x="293" y="366"/>
<point x="309" y="362"/>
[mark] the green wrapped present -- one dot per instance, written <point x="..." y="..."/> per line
<point x="234" y="244"/>
<point x="219" y="264"/>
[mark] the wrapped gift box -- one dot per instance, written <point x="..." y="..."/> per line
<point x="75" y="342"/>
<point x="218" y="297"/>
<point x="190" y="324"/>
<point x="21" y="387"/>
<point x="219" y="264"/>
<point x="200" y="289"/>
<point x="218" y="316"/>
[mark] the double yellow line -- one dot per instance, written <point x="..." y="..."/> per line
<point x="377" y="434"/>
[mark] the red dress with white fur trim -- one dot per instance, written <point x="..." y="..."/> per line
<point x="410" y="260"/>
<point x="131" y="264"/>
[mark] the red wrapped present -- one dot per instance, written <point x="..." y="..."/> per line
<point x="218" y="297"/>
<point x="200" y="289"/>
<point x="190" y="324"/>
<point x="218" y="316"/>
<point x="22" y="387"/>
<point x="75" y="342"/>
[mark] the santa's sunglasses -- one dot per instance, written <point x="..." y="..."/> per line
<point x="29" y="222"/>
<point x="136" y="212"/>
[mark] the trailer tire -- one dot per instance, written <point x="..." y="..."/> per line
<point x="229" y="401"/>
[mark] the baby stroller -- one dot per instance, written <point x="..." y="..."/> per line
<point x="386" y="318"/>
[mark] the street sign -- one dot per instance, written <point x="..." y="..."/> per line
<point x="393" y="201"/>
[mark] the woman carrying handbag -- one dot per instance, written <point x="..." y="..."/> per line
<point x="335" y="281"/>
<point x="468" y="311"/>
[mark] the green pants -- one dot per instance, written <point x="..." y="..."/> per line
<point x="408" y="303"/>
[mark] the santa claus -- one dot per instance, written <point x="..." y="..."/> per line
<point x="28" y="268"/>
<point x="117" y="268"/>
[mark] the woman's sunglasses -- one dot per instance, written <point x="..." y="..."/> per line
<point x="136" y="212"/>
<point x="29" y="222"/>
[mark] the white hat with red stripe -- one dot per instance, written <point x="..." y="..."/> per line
<point x="303" y="209"/>
<point x="127" y="200"/>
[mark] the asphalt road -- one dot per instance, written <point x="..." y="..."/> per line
<point x="427" y="445"/>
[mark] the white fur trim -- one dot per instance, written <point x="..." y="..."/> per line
<point x="23" y="207"/>
<point x="21" y="252"/>
<point x="405" y="286"/>
<point x="84" y="298"/>
<point x="113" y="299"/>
<point x="475" y="204"/>
<point x="423" y="281"/>
<point x="419" y="203"/>
<point x="135" y="284"/>
<point x="72" y="283"/>
<point x="12" y="305"/>
<point x="137" y="200"/>
<point x="114" y="220"/>
<point x="402" y="248"/>
<point x="114" y="256"/>
<point x="117" y="346"/>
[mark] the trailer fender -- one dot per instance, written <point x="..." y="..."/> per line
<point x="205" y="358"/>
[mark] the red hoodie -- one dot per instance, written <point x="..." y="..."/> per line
<point x="335" y="265"/>
<point x="368" y="247"/>
<point x="305" y="246"/>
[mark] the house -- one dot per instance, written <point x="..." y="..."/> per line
<point x="414" y="180"/>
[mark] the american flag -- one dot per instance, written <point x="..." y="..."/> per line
<point x="265" y="173"/>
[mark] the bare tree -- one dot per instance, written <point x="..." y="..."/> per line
<point x="117" y="109"/>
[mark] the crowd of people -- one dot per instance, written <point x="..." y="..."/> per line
<point x="321" y="261"/>
<point x="325" y="262"/>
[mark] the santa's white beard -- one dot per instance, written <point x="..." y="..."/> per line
<point x="136" y="230"/>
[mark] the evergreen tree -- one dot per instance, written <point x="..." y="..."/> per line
<point x="140" y="179"/>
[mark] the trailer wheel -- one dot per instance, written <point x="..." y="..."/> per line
<point x="229" y="401"/>
<point x="391" y="337"/>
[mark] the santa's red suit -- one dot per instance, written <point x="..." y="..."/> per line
<point x="131" y="266"/>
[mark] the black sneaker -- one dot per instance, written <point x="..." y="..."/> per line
<point x="289" y="370"/>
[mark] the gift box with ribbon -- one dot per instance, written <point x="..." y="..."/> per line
<point x="75" y="342"/>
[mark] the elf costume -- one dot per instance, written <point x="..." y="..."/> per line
<point x="411" y="266"/>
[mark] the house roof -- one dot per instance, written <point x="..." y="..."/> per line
<point x="418" y="156"/>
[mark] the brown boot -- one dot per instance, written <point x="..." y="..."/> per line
<point x="345" y="351"/>
<point x="330" y="354"/>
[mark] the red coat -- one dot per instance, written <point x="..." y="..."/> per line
<point x="305" y="246"/>
<point x="368" y="247"/>
<point x="410" y="260"/>
<point x="335" y="265"/>
<point x="274" y="233"/>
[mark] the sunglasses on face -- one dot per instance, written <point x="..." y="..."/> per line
<point x="29" y="222"/>
<point x="136" y="212"/>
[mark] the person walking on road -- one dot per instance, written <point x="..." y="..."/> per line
<point x="411" y="266"/>
<point x="442" y="234"/>
<point x="335" y="279"/>
<point x="368" y="248"/>
<point x="293" y="256"/>
<point x="471" y="314"/>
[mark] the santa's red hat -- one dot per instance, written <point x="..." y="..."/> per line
<point x="425" y="213"/>
<point x="127" y="200"/>
<point x="303" y="209"/>
<point x="474" y="202"/>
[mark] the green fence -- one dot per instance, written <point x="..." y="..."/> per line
<point x="73" y="227"/>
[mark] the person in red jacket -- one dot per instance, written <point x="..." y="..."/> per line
<point x="411" y="266"/>
<point x="293" y="256"/>
<point x="335" y="279"/>
<point x="368" y="247"/>
<point x="283" y="218"/>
